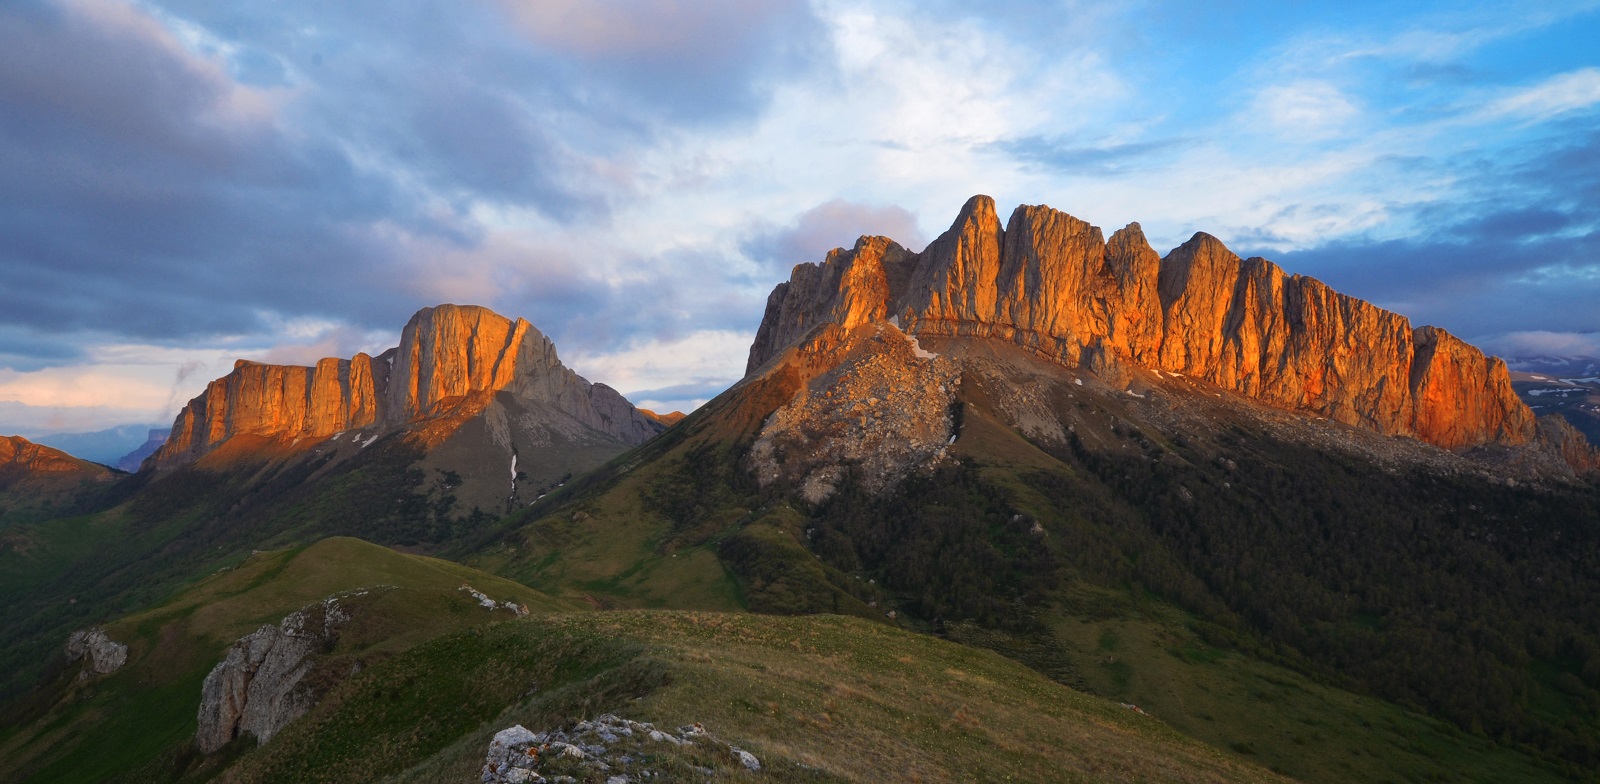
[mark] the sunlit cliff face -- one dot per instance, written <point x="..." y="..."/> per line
<point x="450" y="362"/>
<point x="1051" y="283"/>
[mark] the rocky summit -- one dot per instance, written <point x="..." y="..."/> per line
<point x="451" y="362"/>
<point x="1056" y="286"/>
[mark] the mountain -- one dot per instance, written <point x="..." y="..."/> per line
<point x="1121" y="469"/>
<point x="451" y="364"/>
<point x="1564" y="388"/>
<point x="1052" y="284"/>
<point x="37" y="481"/>
<point x="102" y="446"/>
<point x="483" y="400"/>
<point x="131" y="461"/>
<point x="471" y="416"/>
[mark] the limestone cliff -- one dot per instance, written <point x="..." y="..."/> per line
<point x="450" y="363"/>
<point x="1051" y="283"/>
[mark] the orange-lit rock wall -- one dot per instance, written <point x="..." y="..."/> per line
<point x="1050" y="282"/>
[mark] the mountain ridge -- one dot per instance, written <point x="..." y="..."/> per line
<point x="1052" y="284"/>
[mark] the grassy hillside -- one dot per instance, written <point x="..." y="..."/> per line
<point x="819" y="698"/>
<point x="141" y="717"/>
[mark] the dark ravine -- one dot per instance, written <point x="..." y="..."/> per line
<point x="1052" y="284"/>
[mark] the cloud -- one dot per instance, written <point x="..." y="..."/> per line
<point x="29" y="421"/>
<point x="693" y="61"/>
<point x="1305" y="109"/>
<point x="1104" y="159"/>
<point x="832" y="224"/>
<point x="651" y="372"/>
<point x="1559" y="94"/>
<point x="1534" y="343"/>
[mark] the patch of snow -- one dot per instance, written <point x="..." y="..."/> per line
<point x="917" y="349"/>
<point x="1078" y="381"/>
<point x="336" y="436"/>
<point x="1132" y="393"/>
<point x="1589" y="380"/>
<point x="894" y="321"/>
<point x="952" y="438"/>
<point x="513" y="468"/>
<point x="368" y="442"/>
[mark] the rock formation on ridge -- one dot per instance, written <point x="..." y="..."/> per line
<point x="1052" y="284"/>
<point x="101" y="655"/>
<point x="452" y="361"/>
<point x="256" y="688"/>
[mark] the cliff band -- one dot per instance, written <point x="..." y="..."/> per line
<point x="452" y="360"/>
<point x="1052" y="284"/>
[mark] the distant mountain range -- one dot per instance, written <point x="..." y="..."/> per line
<point x="111" y="446"/>
<point x="1564" y="386"/>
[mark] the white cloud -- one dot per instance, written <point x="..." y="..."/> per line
<point x="1306" y="110"/>
<point x="1534" y="343"/>
<point x="1571" y="91"/>
<point x="681" y="373"/>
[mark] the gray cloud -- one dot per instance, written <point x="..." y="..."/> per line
<point x="1073" y="157"/>
<point x="306" y="159"/>
<point x="829" y="225"/>
<point x="1487" y="269"/>
<point x="683" y="396"/>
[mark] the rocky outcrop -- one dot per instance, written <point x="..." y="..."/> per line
<point x="607" y="748"/>
<point x="1051" y="283"/>
<point x="451" y="361"/>
<point x="1558" y="436"/>
<point x="258" y="686"/>
<point x="99" y="653"/>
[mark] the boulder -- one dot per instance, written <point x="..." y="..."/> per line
<point x="100" y="654"/>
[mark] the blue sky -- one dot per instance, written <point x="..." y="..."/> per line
<point x="188" y="182"/>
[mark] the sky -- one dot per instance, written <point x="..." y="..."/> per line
<point x="186" y="182"/>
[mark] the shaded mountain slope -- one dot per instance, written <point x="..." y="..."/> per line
<point x="38" y="482"/>
<point x="137" y="723"/>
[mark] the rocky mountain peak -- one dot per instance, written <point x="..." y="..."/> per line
<point x="1052" y="284"/>
<point x="451" y="362"/>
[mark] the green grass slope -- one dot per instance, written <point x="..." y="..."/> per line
<point x="141" y="717"/>
<point x="817" y="698"/>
